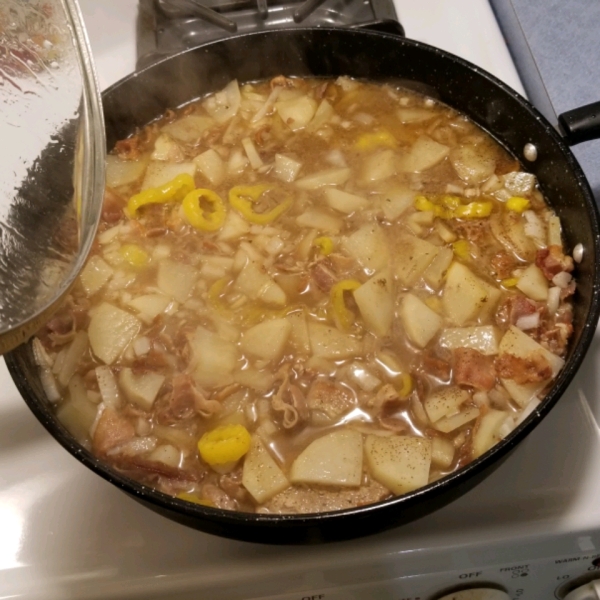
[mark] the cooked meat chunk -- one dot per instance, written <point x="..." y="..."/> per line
<point x="330" y="398"/>
<point x="552" y="261"/>
<point x="111" y="431"/>
<point x="474" y="369"/>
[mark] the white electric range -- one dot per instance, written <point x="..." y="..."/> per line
<point x="531" y="529"/>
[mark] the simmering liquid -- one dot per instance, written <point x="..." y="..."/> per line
<point x="308" y="295"/>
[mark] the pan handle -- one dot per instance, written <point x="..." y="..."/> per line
<point x="581" y="124"/>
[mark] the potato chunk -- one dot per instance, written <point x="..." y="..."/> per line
<point x="261" y="475"/>
<point x="413" y="256"/>
<point x="376" y="303"/>
<point x="419" y="321"/>
<point x="141" y="389"/>
<point x="369" y="246"/>
<point x="329" y="342"/>
<point x="465" y="296"/>
<point x="176" y="279"/>
<point x="400" y="463"/>
<point x="444" y="402"/>
<point x="111" y="330"/>
<point x="334" y="459"/>
<point x="423" y="154"/>
<point x="267" y="339"/>
<point x="484" y="339"/>
<point x="486" y="433"/>
<point x="213" y="358"/>
<point x="95" y="274"/>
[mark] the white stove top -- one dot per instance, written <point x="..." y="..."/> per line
<point x="66" y="533"/>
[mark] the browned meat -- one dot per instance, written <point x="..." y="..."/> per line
<point x="232" y="486"/>
<point x="61" y="328"/>
<point x="300" y="500"/>
<point x="128" y="149"/>
<point x="476" y="231"/>
<point x="556" y="337"/>
<point x="552" y="261"/>
<point x="112" y="430"/>
<point x="281" y="81"/>
<point x="184" y="402"/>
<point x="474" y="369"/>
<point x="323" y="276"/>
<point x="513" y="308"/>
<point x="436" y="367"/>
<point x="331" y="398"/>
<point x="503" y="264"/>
<point x="533" y="369"/>
<point x="112" y="207"/>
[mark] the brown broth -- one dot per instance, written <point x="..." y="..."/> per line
<point x="168" y="306"/>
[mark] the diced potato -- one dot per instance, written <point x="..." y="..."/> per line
<point x="473" y="164"/>
<point x="369" y="246"/>
<point x="286" y="168"/>
<point x="95" y="274"/>
<point x="321" y="220"/>
<point x="296" y="113"/>
<point x="166" y="149"/>
<point x="465" y="295"/>
<point x="486" y="433"/>
<point x="150" y="305"/>
<point x="554" y="231"/>
<point x="176" y="279"/>
<point x="141" y="389"/>
<point x="261" y="381"/>
<point x="377" y="167"/>
<point x="452" y="422"/>
<point x="211" y="165"/>
<point x="400" y="463"/>
<point x="396" y="200"/>
<point x="267" y="339"/>
<point x="255" y="282"/>
<point x="167" y="454"/>
<point x="77" y="416"/>
<point x="419" y="321"/>
<point x="414" y="115"/>
<point x="321" y="178"/>
<point x="435" y="272"/>
<point x="444" y="402"/>
<point x="343" y="201"/>
<point x="160" y="172"/>
<point x="422" y="155"/>
<point x="213" y="358"/>
<point x="322" y="116"/>
<point x="376" y="302"/>
<point x="256" y="161"/>
<point x="508" y="228"/>
<point x="111" y="330"/>
<point x="189" y="128"/>
<point x="225" y="104"/>
<point x="329" y="342"/>
<point x="413" y="256"/>
<point x="518" y="343"/>
<point x="123" y="172"/>
<point x="484" y="339"/>
<point x="235" y="227"/>
<point x="519" y="183"/>
<point x="333" y="459"/>
<point x="442" y="452"/>
<point x="299" y="333"/>
<point x="261" y="475"/>
<point x="533" y="283"/>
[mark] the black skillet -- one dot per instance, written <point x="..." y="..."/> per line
<point x="510" y="119"/>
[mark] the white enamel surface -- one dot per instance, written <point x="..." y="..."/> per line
<point x="66" y="533"/>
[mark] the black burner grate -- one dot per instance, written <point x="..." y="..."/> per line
<point x="166" y="27"/>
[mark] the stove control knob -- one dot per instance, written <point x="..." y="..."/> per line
<point x="589" y="591"/>
<point x="477" y="594"/>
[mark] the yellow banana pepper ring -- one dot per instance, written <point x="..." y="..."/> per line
<point x="224" y="444"/>
<point x="342" y="316"/>
<point x="199" y="218"/>
<point x="325" y="245"/>
<point x="242" y="197"/>
<point x="173" y="191"/>
<point x="450" y="207"/>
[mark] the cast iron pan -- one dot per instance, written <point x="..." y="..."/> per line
<point x="145" y="95"/>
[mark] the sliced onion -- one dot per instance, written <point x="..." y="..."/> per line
<point x="528" y="321"/>
<point x="553" y="299"/>
<point x="108" y="387"/>
<point x="267" y="105"/>
<point x="562" y="279"/>
<point x="534" y="228"/>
